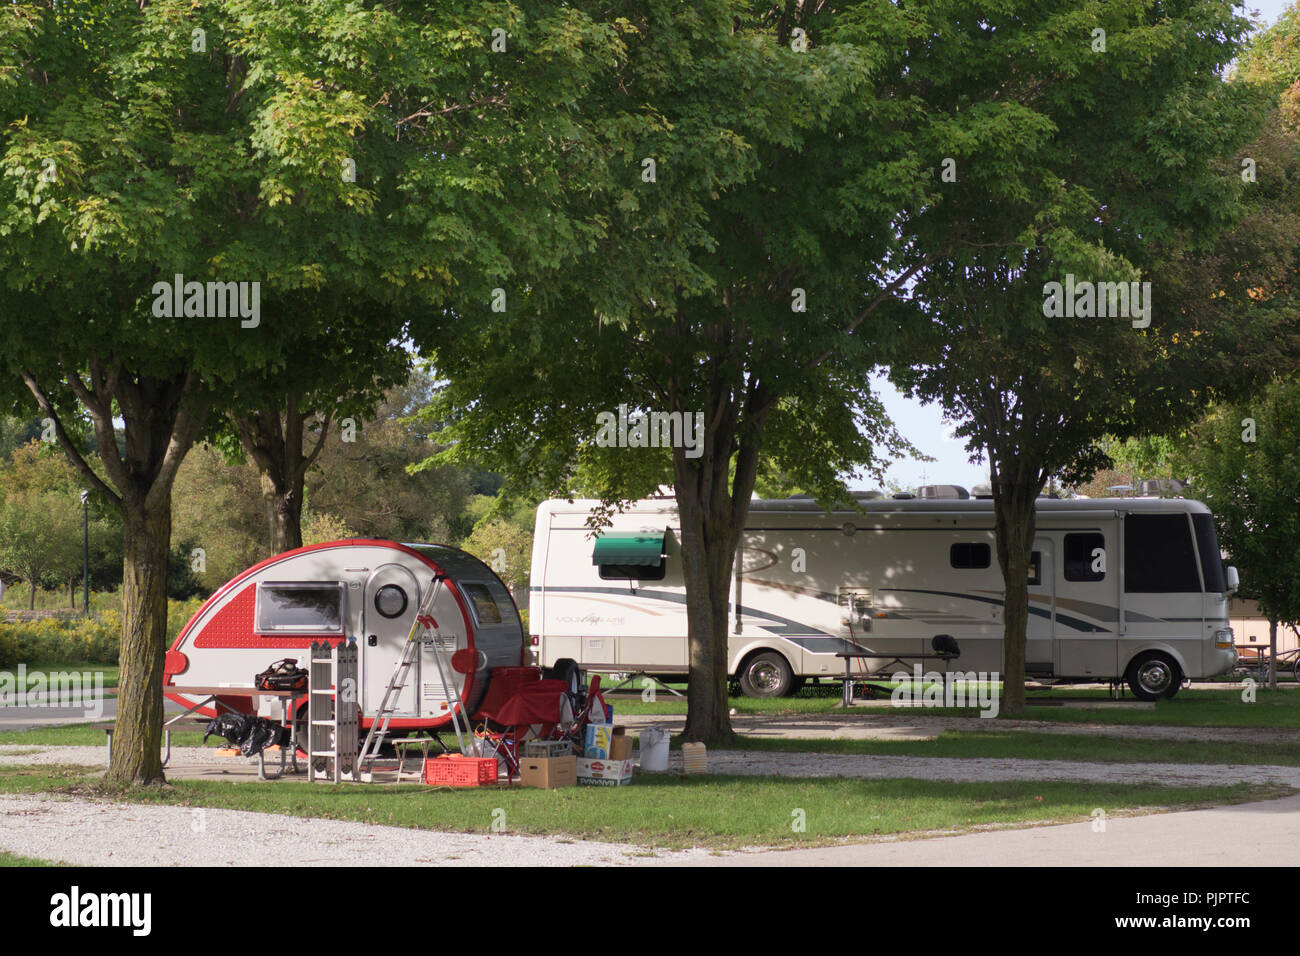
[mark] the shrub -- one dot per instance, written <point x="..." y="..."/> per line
<point x="78" y="640"/>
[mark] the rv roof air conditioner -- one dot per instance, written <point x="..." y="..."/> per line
<point x="950" y="492"/>
<point x="1159" y="487"/>
<point x="982" y="492"/>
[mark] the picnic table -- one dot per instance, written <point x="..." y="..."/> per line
<point x="212" y="697"/>
<point x="900" y="659"/>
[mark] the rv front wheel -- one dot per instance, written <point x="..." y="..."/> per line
<point x="766" y="675"/>
<point x="1154" y="676"/>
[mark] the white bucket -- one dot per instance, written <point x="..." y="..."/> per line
<point x="654" y="749"/>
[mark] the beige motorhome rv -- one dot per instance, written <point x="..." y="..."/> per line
<point x="1129" y="589"/>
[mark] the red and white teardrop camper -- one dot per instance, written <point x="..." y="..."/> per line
<point x="365" y="589"/>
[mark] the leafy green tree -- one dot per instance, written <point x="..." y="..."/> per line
<point x="507" y="548"/>
<point x="1109" y="185"/>
<point x="361" y="478"/>
<point x="339" y="368"/>
<point x="321" y="526"/>
<point x="218" y="509"/>
<point x="287" y="145"/>
<point x="750" y="279"/>
<point x="1244" y="462"/>
<point x="40" y="537"/>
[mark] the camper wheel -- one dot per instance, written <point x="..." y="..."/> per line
<point x="1154" y="675"/>
<point x="766" y="675"/>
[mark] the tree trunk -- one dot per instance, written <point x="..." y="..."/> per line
<point x="284" y="512"/>
<point x="161" y="418"/>
<point x="712" y="511"/>
<point x="1014" y="524"/>
<point x="708" y="552"/>
<point x="1272" y="653"/>
<point x="273" y="439"/>
<point x="146" y="541"/>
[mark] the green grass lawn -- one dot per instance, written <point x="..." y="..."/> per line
<point x="663" y="811"/>
<point x="13" y="859"/>
<point x="1193" y="708"/>
<point x="1025" y="745"/>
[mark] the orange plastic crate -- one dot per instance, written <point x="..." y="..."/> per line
<point x="455" y="770"/>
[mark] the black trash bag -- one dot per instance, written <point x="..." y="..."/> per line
<point x="263" y="733"/>
<point x="250" y="734"/>
<point x="234" y="727"/>
<point x="258" y="739"/>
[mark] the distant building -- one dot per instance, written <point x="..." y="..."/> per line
<point x="1250" y="629"/>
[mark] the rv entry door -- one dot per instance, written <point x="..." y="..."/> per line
<point x="391" y="601"/>
<point x="1041" y="628"/>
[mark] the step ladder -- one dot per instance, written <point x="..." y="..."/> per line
<point x="332" y="711"/>
<point x="424" y="630"/>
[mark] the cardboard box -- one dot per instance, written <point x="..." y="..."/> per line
<point x="548" y="773"/>
<point x="596" y="743"/>
<point x="620" y="745"/>
<point x="604" y="773"/>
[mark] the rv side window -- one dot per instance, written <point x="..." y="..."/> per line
<point x="1085" y="557"/>
<point x="300" y="607"/>
<point x="1036" y="567"/>
<point x="970" y="555"/>
<point x="633" y="572"/>
<point x="485" y="609"/>
<point x="1158" y="555"/>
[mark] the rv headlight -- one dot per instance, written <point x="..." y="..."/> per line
<point x="1223" y="639"/>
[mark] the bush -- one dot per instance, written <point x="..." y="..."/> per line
<point x="8" y="649"/>
<point x="78" y="640"/>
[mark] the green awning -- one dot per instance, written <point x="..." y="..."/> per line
<point x="641" y="548"/>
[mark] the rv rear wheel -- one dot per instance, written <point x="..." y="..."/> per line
<point x="1153" y="676"/>
<point x="766" y="675"/>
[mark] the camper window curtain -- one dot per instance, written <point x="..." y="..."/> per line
<point x="636" y="548"/>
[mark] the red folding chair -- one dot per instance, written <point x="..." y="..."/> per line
<point x="537" y="711"/>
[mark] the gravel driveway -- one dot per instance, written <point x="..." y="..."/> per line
<point x="861" y="766"/>
<point x="101" y="833"/>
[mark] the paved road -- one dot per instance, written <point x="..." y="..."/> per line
<point x="1247" y="834"/>
<point x="29" y="718"/>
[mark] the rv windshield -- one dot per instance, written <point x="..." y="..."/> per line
<point x="315" y="606"/>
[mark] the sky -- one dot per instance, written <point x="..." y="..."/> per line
<point x="924" y="426"/>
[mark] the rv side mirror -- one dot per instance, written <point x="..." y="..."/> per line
<point x="1234" y="581"/>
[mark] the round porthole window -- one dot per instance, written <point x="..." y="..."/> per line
<point x="390" y="601"/>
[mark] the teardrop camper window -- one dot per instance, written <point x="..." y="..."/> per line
<point x="485" y="609"/>
<point x="300" y="607"/>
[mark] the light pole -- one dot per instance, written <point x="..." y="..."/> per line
<point x="85" y="553"/>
